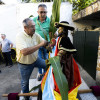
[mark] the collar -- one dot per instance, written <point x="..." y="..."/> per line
<point x="28" y="35"/>
<point x="4" y="39"/>
<point x="44" y="20"/>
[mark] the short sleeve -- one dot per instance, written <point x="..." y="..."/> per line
<point x="10" y="42"/>
<point x="20" y="42"/>
<point x="39" y="38"/>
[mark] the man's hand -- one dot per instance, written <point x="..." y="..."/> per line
<point x="55" y="35"/>
<point x="51" y="45"/>
<point x="44" y="43"/>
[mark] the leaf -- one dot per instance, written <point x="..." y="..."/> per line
<point x="55" y="16"/>
<point x="35" y="87"/>
<point x="59" y="77"/>
<point x="80" y="4"/>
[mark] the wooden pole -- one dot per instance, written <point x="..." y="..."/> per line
<point x="85" y="91"/>
<point x="23" y="94"/>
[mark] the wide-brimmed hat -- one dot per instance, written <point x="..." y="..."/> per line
<point x="64" y="24"/>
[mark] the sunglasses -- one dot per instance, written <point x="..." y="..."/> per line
<point x="43" y="12"/>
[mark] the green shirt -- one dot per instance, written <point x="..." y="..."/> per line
<point x="45" y="26"/>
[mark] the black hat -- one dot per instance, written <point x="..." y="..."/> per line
<point x="64" y="24"/>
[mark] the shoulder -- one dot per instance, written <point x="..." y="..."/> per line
<point x="7" y="40"/>
<point x="65" y="39"/>
<point x="35" y="18"/>
<point x="48" y="19"/>
<point x="36" y="35"/>
<point x="20" y="35"/>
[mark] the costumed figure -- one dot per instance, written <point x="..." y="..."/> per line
<point x="62" y="79"/>
<point x="65" y="51"/>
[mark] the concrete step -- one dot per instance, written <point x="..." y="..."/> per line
<point x="86" y="96"/>
<point x="32" y="83"/>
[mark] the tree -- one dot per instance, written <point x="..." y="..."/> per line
<point x="80" y="4"/>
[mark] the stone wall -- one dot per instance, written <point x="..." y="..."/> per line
<point x="87" y="11"/>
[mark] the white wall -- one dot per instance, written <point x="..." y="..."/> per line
<point x="25" y="10"/>
<point x="11" y="16"/>
<point x="8" y="21"/>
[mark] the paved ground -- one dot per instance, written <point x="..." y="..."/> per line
<point x="10" y="80"/>
<point x="87" y="78"/>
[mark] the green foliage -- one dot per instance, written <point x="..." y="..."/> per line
<point x="55" y="16"/>
<point x="80" y="4"/>
<point x="35" y="87"/>
<point x="59" y="77"/>
<point x="47" y="0"/>
<point x="77" y="4"/>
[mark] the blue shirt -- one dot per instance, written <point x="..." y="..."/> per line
<point x="45" y="26"/>
<point x="6" y="45"/>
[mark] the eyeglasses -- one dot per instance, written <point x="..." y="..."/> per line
<point x="43" y="12"/>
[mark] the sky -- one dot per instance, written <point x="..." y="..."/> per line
<point x="10" y="1"/>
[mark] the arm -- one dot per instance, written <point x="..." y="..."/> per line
<point x="11" y="45"/>
<point x="30" y="50"/>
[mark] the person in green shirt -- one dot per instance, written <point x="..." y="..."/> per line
<point x="42" y="25"/>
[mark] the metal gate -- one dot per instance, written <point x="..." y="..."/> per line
<point x="86" y="43"/>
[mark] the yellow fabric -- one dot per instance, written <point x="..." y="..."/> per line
<point x="24" y="41"/>
<point x="57" y="95"/>
<point x="44" y="80"/>
<point x="71" y="96"/>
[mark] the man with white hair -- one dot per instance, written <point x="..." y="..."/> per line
<point x="6" y="46"/>
<point x="27" y="45"/>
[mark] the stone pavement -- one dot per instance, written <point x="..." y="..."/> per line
<point x="10" y="80"/>
<point x="87" y="82"/>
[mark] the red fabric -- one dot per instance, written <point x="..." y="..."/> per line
<point x="55" y="85"/>
<point x="56" y="51"/>
<point x="96" y="90"/>
<point x="13" y="96"/>
<point x="77" y="77"/>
